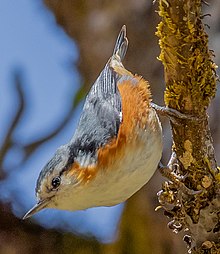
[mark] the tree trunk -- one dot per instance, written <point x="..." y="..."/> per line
<point x="190" y="85"/>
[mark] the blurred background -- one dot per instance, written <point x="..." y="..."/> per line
<point x="51" y="52"/>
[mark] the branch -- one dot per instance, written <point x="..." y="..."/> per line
<point x="190" y="85"/>
<point x="7" y="142"/>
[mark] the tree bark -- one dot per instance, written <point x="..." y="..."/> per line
<point x="190" y="85"/>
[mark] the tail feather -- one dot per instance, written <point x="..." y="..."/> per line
<point x="121" y="44"/>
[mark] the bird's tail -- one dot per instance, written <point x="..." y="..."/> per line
<point x="121" y="44"/>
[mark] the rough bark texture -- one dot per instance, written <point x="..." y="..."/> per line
<point x="190" y="86"/>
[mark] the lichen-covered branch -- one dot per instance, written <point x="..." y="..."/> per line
<point x="190" y="85"/>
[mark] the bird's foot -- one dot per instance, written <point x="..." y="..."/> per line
<point x="177" y="180"/>
<point x="174" y="114"/>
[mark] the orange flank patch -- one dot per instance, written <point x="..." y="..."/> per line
<point x="135" y="107"/>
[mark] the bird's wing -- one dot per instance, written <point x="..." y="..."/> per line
<point x="102" y="115"/>
<point x="102" y="112"/>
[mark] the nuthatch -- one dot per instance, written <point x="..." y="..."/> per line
<point x="116" y="147"/>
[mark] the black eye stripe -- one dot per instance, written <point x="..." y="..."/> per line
<point x="64" y="169"/>
<point x="56" y="182"/>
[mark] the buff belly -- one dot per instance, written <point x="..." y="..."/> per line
<point x="131" y="172"/>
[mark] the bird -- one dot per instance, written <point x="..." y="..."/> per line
<point x="115" y="149"/>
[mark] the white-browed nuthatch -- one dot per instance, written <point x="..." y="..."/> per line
<point x="115" y="149"/>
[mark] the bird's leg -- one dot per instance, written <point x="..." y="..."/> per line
<point x="173" y="193"/>
<point x="169" y="172"/>
<point x="173" y="114"/>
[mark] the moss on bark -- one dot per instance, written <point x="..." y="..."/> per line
<point x="190" y="85"/>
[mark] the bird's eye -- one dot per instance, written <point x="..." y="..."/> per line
<point x="56" y="182"/>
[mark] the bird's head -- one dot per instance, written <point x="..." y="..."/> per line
<point x="55" y="178"/>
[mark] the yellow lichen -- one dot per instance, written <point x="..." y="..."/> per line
<point x="187" y="158"/>
<point x="184" y="49"/>
<point x="217" y="176"/>
<point x="206" y="182"/>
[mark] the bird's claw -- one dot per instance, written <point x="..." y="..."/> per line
<point x="177" y="180"/>
<point x="174" y="114"/>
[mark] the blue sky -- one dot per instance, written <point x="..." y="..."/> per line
<point x="31" y="42"/>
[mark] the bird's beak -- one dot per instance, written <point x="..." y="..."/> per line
<point x="38" y="207"/>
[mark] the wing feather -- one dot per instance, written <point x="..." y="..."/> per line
<point x="101" y="117"/>
<point x="102" y="112"/>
